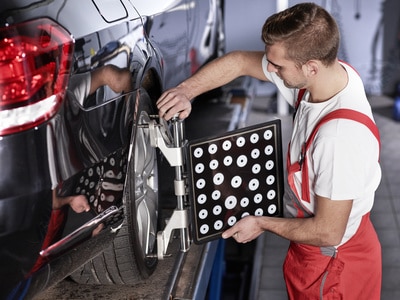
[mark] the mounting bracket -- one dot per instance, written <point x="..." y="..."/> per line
<point x="172" y="147"/>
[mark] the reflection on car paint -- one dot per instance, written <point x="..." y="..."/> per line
<point x="62" y="174"/>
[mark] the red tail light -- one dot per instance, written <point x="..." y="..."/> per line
<point x="35" y="59"/>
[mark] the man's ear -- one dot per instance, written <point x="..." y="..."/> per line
<point x="311" y="68"/>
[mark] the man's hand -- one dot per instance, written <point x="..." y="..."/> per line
<point x="174" y="102"/>
<point x="245" y="230"/>
<point x="78" y="203"/>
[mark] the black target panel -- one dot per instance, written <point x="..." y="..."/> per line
<point x="234" y="175"/>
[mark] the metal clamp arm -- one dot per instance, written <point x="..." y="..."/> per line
<point x="172" y="149"/>
<point x="178" y="220"/>
<point x="174" y="155"/>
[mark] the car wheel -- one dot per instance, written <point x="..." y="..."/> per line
<point x="130" y="258"/>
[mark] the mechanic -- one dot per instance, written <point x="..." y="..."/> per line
<point x="334" y="251"/>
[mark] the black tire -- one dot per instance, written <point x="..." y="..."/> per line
<point x="129" y="259"/>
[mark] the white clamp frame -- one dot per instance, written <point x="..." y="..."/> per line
<point x="173" y="150"/>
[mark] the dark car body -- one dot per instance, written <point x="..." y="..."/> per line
<point x="66" y="130"/>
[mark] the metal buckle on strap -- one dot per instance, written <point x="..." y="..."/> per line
<point x="329" y="251"/>
<point x="302" y="155"/>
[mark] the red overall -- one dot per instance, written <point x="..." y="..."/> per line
<point x="353" y="270"/>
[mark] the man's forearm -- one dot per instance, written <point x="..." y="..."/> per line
<point x="223" y="70"/>
<point x="213" y="75"/>
<point x="325" y="228"/>
<point x="216" y="73"/>
<point x="304" y="231"/>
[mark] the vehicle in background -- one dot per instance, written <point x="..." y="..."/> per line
<point x="79" y="189"/>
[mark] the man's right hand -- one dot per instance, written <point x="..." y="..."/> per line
<point x="174" y="102"/>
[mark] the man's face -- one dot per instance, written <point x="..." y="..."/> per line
<point x="287" y="70"/>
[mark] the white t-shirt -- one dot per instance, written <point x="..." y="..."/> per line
<point x="79" y="85"/>
<point x="343" y="159"/>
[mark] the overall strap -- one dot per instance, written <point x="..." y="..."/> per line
<point x="299" y="97"/>
<point x="297" y="103"/>
<point x="342" y="113"/>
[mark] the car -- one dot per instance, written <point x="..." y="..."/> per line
<point x="79" y="180"/>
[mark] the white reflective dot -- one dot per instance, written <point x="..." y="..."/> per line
<point x="212" y="149"/>
<point x="204" y="229"/>
<point x="218" y="178"/>
<point x="230" y="202"/>
<point x="254" y="138"/>
<point x="213" y="164"/>
<point x="198" y="152"/>
<point x="253" y="184"/>
<point x="257" y="198"/>
<point x="201" y="183"/>
<point x="218" y="225"/>
<point x="203" y="214"/>
<point x="226" y="145"/>
<point x="236" y="181"/>
<point x="245" y="214"/>
<point x="268" y="134"/>
<point x="231" y="220"/>
<point x="240" y="141"/>
<point x="271" y="194"/>
<point x="270" y="179"/>
<point x="259" y="212"/>
<point x="268" y="150"/>
<point x="217" y="210"/>
<point x="244" y="202"/>
<point x="272" y="209"/>
<point x="228" y="160"/>
<point x="255" y="153"/>
<point x="241" y="161"/>
<point x="199" y="168"/>
<point x="256" y="169"/>
<point x="110" y="174"/>
<point x="201" y="199"/>
<point x="269" y="165"/>
<point x="216" y="195"/>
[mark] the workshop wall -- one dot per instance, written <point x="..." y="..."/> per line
<point x="360" y="23"/>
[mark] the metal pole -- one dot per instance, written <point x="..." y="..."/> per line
<point x="178" y="133"/>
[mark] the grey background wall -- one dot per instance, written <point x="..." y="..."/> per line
<point x="366" y="26"/>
